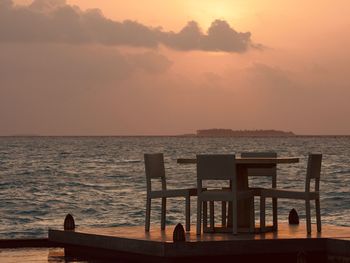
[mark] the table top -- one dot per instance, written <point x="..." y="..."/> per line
<point x="255" y="160"/>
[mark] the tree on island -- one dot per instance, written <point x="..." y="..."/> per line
<point x="237" y="133"/>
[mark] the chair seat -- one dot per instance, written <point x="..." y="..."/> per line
<point x="287" y="194"/>
<point x="174" y="193"/>
<point x="224" y="194"/>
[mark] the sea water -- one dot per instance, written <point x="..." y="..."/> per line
<point x="101" y="180"/>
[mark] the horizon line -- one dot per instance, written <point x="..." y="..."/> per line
<point x="173" y="135"/>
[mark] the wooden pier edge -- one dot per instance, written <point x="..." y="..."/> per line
<point x="132" y="244"/>
<point x="277" y="250"/>
<point x="28" y="243"/>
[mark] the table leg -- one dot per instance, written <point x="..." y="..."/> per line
<point x="243" y="206"/>
<point x="224" y="214"/>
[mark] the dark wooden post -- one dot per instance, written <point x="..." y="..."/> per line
<point x="179" y="234"/>
<point x="293" y="218"/>
<point x="69" y="223"/>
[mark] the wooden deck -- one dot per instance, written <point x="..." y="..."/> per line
<point x="33" y="255"/>
<point x="135" y="243"/>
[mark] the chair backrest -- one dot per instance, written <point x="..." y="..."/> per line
<point x="262" y="171"/>
<point x="313" y="171"/>
<point x="154" y="168"/>
<point x="216" y="167"/>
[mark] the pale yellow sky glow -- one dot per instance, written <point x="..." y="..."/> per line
<point x="171" y="14"/>
<point x="80" y="72"/>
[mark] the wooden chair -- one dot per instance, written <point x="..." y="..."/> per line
<point x="313" y="172"/>
<point x="154" y="167"/>
<point x="220" y="167"/>
<point x="268" y="172"/>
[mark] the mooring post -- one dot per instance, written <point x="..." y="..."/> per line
<point x="179" y="234"/>
<point x="69" y="223"/>
<point x="293" y="218"/>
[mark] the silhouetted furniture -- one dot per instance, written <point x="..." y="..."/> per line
<point x="242" y="166"/>
<point x="313" y="172"/>
<point x="267" y="171"/>
<point x="220" y="167"/>
<point x="154" y="167"/>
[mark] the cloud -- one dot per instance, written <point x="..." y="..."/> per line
<point x="220" y="37"/>
<point x="54" y="21"/>
<point x="47" y="5"/>
<point x="266" y="76"/>
<point x="150" y="62"/>
<point x="71" y="67"/>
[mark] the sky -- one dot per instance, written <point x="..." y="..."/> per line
<point x="102" y="67"/>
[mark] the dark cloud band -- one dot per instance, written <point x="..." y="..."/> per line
<point x="56" y="21"/>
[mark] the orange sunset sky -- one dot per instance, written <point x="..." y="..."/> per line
<point x="156" y="67"/>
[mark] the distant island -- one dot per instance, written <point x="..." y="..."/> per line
<point x="241" y="133"/>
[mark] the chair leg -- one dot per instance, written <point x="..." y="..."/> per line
<point x="223" y="213"/>
<point x="211" y="215"/>
<point x="205" y="216"/>
<point x="163" y="213"/>
<point x="274" y="214"/>
<point x="308" y="216"/>
<point x="318" y="214"/>
<point x="252" y="216"/>
<point x="234" y="217"/>
<point x="199" y="216"/>
<point x="229" y="215"/>
<point x="148" y="214"/>
<point x="262" y="213"/>
<point x="188" y="213"/>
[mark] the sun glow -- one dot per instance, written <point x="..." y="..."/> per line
<point x="209" y="11"/>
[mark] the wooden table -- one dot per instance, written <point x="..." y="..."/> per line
<point x="242" y="165"/>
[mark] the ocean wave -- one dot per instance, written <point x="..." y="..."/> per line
<point x="101" y="181"/>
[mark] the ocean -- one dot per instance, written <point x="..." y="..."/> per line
<point x="101" y="180"/>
